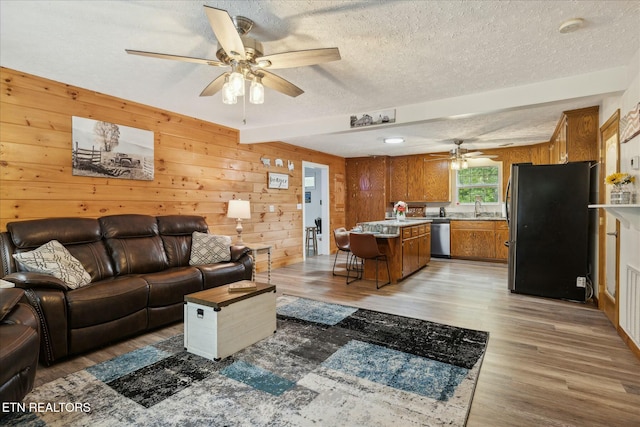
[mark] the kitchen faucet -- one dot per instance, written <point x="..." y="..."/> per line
<point x="478" y="206"/>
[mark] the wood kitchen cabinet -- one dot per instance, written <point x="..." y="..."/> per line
<point x="502" y="235"/>
<point x="419" y="179"/>
<point x="416" y="248"/>
<point x="424" y="244"/>
<point x="473" y="239"/>
<point x="575" y="138"/>
<point x="416" y="188"/>
<point x="367" y="184"/>
<point x="398" y="178"/>
<point x="437" y="179"/>
<point x="479" y="240"/>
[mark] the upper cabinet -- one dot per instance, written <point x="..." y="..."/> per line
<point x="576" y="136"/>
<point x="419" y="179"/>
<point x="398" y="178"/>
<point x="437" y="180"/>
<point x="367" y="185"/>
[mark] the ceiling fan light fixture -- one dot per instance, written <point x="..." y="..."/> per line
<point x="465" y="164"/>
<point x="394" y="140"/>
<point x="455" y="164"/>
<point x="256" y="91"/>
<point x="228" y="95"/>
<point x="236" y="80"/>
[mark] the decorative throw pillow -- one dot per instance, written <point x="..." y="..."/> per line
<point x="54" y="259"/>
<point x="209" y="248"/>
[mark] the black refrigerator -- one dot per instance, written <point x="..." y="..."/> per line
<point x="549" y="229"/>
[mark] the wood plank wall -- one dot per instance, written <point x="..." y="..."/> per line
<point x="199" y="166"/>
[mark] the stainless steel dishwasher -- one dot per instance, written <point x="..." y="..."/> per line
<point x="440" y="238"/>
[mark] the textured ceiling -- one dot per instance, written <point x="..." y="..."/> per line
<point x="490" y="72"/>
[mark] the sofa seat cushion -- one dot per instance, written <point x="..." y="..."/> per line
<point x="170" y="286"/>
<point x="222" y="274"/>
<point x="106" y="300"/>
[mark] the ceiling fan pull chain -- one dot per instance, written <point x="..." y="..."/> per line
<point x="244" y="110"/>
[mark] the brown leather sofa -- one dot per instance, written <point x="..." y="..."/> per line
<point x="19" y="343"/>
<point x="139" y="268"/>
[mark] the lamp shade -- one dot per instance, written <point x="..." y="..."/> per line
<point x="239" y="209"/>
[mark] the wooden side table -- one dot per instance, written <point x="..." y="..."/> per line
<point x="256" y="249"/>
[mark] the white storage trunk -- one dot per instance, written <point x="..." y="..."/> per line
<point x="218" y="323"/>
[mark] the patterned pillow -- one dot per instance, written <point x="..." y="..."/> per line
<point x="54" y="259"/>
<point x="209" y="248"/>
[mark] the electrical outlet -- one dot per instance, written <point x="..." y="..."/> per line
<point x="581" y="282"/>
<point x="272" y="208"/>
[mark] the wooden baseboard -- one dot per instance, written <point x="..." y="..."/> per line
<point x="632" y="345"/>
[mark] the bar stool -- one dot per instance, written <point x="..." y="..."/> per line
<point x="311" y="240"/>
<point x="364" y="246"/>
<point x="341" y="236"/>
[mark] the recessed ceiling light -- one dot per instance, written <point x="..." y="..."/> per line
<point x="571" y="25"/>
<point x="394" y="140"/>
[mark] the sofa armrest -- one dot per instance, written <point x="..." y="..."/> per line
<point x="9" y="298"/>
<point x="237" y="251"/>
<point x="28" y="280"/>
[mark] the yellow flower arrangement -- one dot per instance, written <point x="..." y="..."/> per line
<point x="618" y="179"/>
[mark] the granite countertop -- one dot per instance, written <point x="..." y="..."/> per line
<point x="390" y="228"/>
<point x="396" y="223"/>
<point x="480" y="218"/>
<point x="421" y="220"/>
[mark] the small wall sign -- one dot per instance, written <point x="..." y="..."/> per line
<point x="278" y="180"/>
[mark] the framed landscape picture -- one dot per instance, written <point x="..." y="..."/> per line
<point x="108" y="150"/>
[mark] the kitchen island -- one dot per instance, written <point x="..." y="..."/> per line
<point x="407" y="245"/>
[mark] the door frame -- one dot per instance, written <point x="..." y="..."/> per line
<point x="609" y="305"/>
<point x="323" y="245"/>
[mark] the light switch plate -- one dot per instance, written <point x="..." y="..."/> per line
<point x="299" y="206"/>
<point x="635" y="162"/>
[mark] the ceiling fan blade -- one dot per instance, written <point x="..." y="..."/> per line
<point x="300" y="58"/>
<point x="441" y="155"/>
<point x="472" y="154"/>
<point x="212" y="62"/>
<point x="215" y="86"/>
<point x="225" y="32"/>
<point x="274" y="82"/>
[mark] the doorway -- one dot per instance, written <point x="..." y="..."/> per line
<point x="609" y="245"/>
<point x="315" y="205"/>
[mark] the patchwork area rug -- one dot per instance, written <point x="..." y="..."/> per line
<point x="327" y="365"/>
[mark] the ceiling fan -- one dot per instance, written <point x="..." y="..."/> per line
<point x="244" y="55"/>
<point x="459" y="155"/>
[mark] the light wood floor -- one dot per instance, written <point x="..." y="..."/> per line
<point x="548" y="363"/>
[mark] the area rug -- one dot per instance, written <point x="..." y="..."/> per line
<point x="327" y="365"/>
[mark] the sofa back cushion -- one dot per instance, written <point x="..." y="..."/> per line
<point x="176" y="232"/>
<point x="134" y="243"/>
<point x="82" y="237"/>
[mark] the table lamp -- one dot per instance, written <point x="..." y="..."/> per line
<point x="239" y="209"/>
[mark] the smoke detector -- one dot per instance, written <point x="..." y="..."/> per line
<point x="571" y="25"/>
